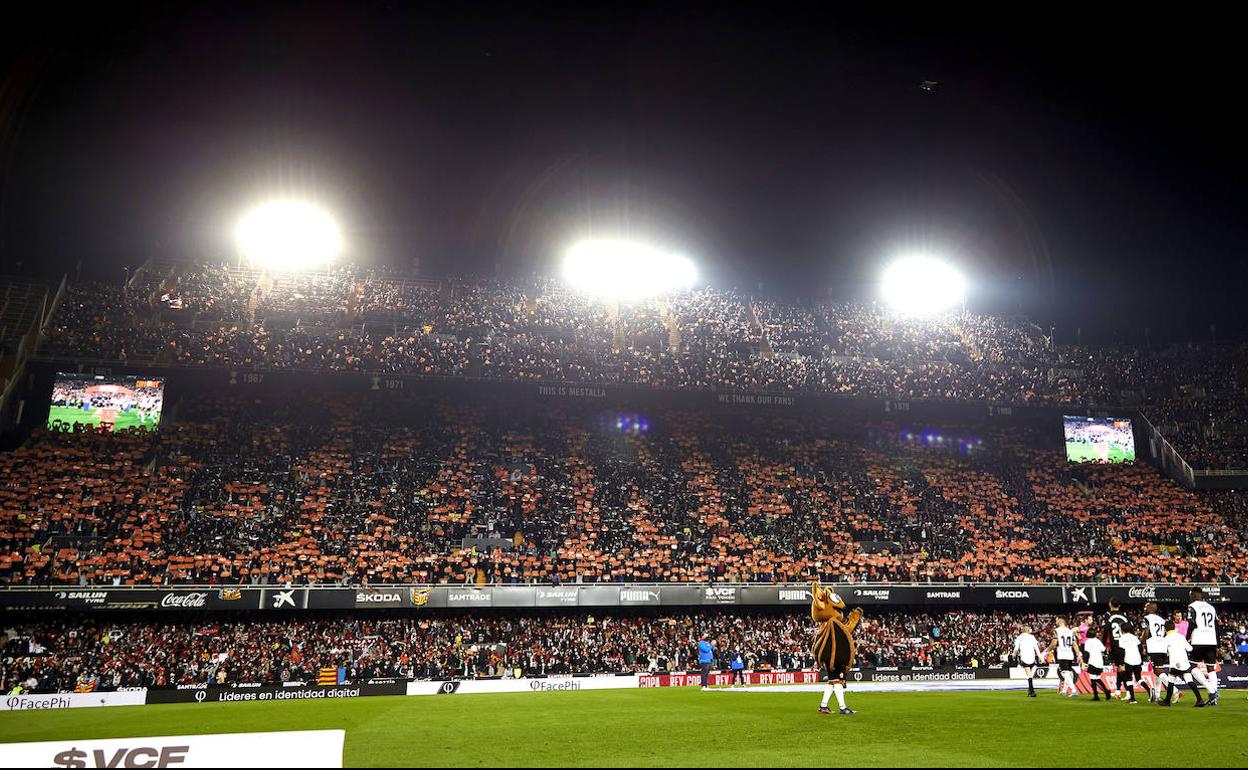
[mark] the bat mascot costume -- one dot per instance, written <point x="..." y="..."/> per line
<point x="834" y="648"/>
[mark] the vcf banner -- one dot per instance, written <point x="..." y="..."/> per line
<point x="303" y="748"/>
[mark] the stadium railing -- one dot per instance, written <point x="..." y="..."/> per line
<point x="1167" y="457"/>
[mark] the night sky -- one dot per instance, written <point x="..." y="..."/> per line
<point x="1086" y="170"/>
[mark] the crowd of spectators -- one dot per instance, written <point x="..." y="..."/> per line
<point x="210" y="292"/>
<point x="727" y="341"/>
<point x="108" y="653"/>
<point x="320" y="489"/>
<point x="312" y="298"/>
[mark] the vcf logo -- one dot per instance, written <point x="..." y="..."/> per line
<point x="282" y="598"/>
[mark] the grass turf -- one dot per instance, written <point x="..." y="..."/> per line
<point x="688" y="727"/>
<point x="71" y="415"/>
<point x="1082" y="453"/>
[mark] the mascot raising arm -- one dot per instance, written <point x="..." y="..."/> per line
<point x="834" y="642"/>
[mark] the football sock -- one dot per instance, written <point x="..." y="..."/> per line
<point x="1199" y="675"/>
<point x="839" y="689"/>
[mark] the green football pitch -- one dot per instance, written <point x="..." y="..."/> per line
<point x="1084" y="453"/>
<point x="689" y="727"/>
<point x="71" y="415"/>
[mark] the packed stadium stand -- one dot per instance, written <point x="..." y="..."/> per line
<point x="108" y="653"/>
<point x="316" y="489"/>
<point x="356" y="321"/>
<point x="304" y="483"/>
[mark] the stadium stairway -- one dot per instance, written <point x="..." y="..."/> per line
<point x="353" y="301"/>
<point x="673" y="330"/>
<point x="764" y="344"/>
<point x="263" y="287"/>
<point x="618" y="340"/>
<point x="969" y="343"/>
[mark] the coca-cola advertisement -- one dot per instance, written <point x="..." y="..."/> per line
<point x="194" y="600"/>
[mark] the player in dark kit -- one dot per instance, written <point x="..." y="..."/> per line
<point x="1115" y="627"/>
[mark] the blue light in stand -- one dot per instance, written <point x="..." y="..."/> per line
<point x="631" y="424"/>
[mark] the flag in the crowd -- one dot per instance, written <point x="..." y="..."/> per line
<point x="328" y="677"/>
<point x="86" y="684"/>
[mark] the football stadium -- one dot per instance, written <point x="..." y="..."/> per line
<point x="617" y="386"/>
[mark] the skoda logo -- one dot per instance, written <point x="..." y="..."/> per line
<point x="1042" y="672"/>
<point x="200" y="695"/>
<point x="857" y="676"/>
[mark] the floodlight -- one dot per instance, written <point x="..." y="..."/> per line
<point x="920" y="285"/>
<point x="626" y="270"/>
<point x="288" y="235"/>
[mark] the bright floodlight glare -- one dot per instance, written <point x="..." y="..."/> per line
<point x="288" y="235"/>
<point x="626" y="270"/>
<point x="921" y="286"/>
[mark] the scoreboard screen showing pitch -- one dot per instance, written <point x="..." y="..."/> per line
<point x="113" y="403"/>
<point x="1099" y="440"/>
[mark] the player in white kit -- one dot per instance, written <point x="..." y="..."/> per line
<point x="1066" y="651"/>
<point x="1155" y="646"/>
<point x="1132" y="659"/>
<point x="1094" y="655"/>
<point x="1179" y="668"/>
<point x="1202" y="632"/>
<point x="1027" y="650"/>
